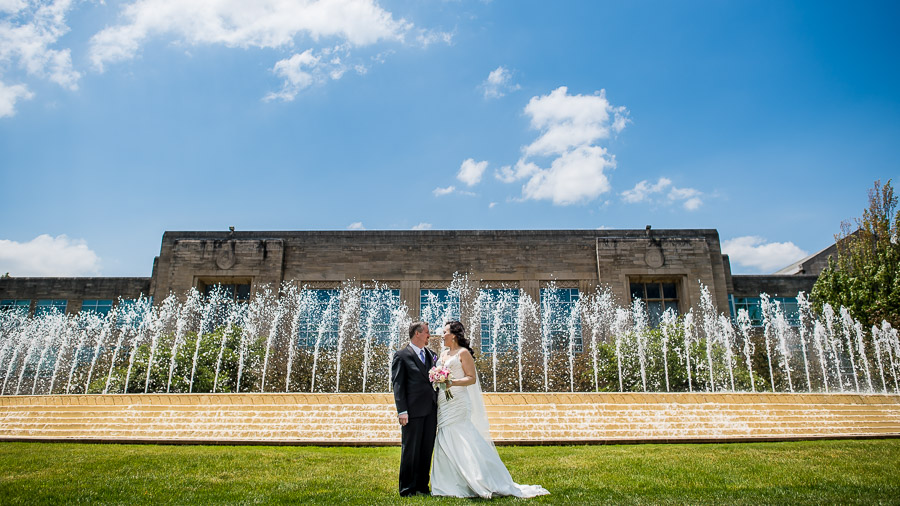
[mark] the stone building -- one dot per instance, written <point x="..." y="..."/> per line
<point x="662" y="267"/>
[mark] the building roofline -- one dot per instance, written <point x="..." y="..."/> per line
<point x="787" y="276"/>
<point x="80" y="278"/>
<point x="276" y="234"/>
<point x="794" y="267"/>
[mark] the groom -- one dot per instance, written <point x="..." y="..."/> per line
<point x="416" y="402"/>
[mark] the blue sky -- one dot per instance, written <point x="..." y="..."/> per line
<point x="767" y="121"/>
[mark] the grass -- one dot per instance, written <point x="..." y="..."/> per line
<point x="846" y="472"/>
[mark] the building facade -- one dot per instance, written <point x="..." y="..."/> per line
<point x="662" y="267"/>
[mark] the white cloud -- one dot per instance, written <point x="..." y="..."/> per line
<point x="688" y="197"/>
<point x="573" y="177"/>
<point x="261" y="24"/>
<point x="429" y="37"/>
<point x="692" y="204"/>
<point x="568" y="121"/>
<point x="522" y="170"/>
<point x="9" y="95"/>
<point x="570" y="126"/>
<point x="48" y="256"/>
<point x="12" y="6"/>
<point x="356" y="225"/>
<point x="26" y="37"/>
<point x="422" y="226"/>
<point x="295" y="77"/>
<point x="643" y="189"/>
<point x="506" y="174"/>
<point x="470" y="171"/>
<point x="492" y="205"/>
<point x="440" y="192"/>
<point x="302" y="70"/>
<point x="683" y="193"/>
<point x="498" y="83"/>
<point x="754" y="252"/>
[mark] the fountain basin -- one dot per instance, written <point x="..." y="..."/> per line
<point x="357" y="419"/>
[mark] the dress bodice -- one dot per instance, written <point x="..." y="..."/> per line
<point x="452" y="363"/>
<point x="457" y="408"/>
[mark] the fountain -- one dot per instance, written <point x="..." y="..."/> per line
<point x="743" y="322"/>
<point x="688" y="326"/>
<point x="668" y="325"/>
<point x="299" y="340"/>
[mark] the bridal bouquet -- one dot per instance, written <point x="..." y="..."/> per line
<point x="440" y="378"/>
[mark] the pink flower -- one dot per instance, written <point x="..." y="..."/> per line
<point x="438" y="374"/>
<point x="440" y="378"/>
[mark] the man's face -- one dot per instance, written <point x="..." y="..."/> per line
<point x="422" y="336"/>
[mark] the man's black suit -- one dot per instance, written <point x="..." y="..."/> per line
<point x="414" y="394"/>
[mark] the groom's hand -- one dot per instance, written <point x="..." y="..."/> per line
<point x="404" y="419"/>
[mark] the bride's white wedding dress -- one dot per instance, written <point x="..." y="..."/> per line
<point x="466" y="464"/>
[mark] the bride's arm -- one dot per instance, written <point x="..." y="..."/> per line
<point x="468" y="366"/>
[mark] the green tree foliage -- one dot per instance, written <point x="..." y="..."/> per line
<point x="217" y="350"/>
<point x="865" y="274"/>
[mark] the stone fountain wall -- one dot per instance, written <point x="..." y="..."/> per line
<point x="516" y="418"/>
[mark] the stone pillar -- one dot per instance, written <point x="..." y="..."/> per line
<point x="410" y="293"/>
<point x="532" y="287"/>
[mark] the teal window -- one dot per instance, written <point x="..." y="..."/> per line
<point x="131" y="312"/>
<point x="99" y="306"/>
<point x="753" y="305"/>
<point x="15" y="305"/>
<point x="437" y="307"/>
<point x="753" y="308"/>
<point x="658" y="296"/>
<point x="318" y="318"/>
<point x="49" y="306"/>
<point x="791" y="310"/>
<point x="220" y="299"/>
<point x="499" y="319"/>
<point x="377" y="317"/>
<point x="238" y="292"/>
<point x="560" y="320"/>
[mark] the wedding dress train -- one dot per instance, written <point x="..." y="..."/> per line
<point x="466" y="464"/>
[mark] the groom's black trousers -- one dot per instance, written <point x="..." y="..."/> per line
<point x="417" y="439"/>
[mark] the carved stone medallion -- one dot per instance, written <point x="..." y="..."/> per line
<point x="225" y="259"/>
<point x="654" y="257"/>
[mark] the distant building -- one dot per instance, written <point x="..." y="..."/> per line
<point x="662" y="267"/>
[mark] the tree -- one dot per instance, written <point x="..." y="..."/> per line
<point x="865" y="274"/>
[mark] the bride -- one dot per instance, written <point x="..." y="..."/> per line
<point x="466" y="464"/>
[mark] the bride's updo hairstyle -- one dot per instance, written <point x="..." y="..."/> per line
<point x="458" y="331"/>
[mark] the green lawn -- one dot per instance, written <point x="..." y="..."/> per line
<point x="752" y="473"/>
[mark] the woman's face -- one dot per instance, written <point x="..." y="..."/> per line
<point x="448" y="337"/>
